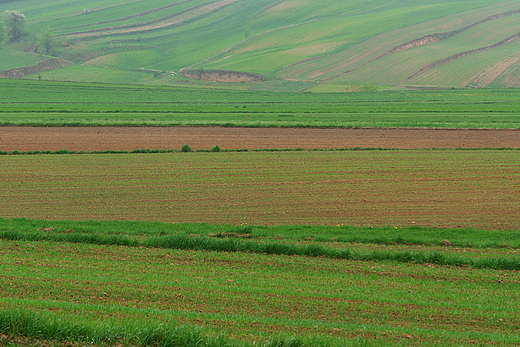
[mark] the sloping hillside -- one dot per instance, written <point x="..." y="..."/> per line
<point x="330" y="45"/>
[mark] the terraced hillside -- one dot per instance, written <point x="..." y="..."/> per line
<point x="329" y="45"/>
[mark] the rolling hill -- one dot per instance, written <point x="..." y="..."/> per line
<point x="330" y="45"/>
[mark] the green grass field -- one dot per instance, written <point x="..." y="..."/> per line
<point x="77" y="73"/>
<point x="47" y="103"/>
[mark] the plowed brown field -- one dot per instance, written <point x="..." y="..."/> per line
<point x="130" y="138"/>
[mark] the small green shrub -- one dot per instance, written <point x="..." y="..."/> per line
<point x="186" y="148"/>
<point x="216" y="148"/>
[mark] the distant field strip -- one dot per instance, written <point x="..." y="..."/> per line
<point x="390" y="57"/>
<point x="488" y="75"/>
<point x="294" y="45"/>
<point x="446" y="188"/>
<point x="10" y="59"/>
<point x="49" y="64"/>
<point x="48" y="103"/>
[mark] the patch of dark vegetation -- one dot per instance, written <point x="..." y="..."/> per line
<point x="186" y="148"/>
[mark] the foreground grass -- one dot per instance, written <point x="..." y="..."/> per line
<point x="143" y="296"/>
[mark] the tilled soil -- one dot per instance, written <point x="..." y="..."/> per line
<point x="131" y="138"/>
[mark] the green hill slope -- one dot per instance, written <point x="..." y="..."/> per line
<point x="328" y="45"/>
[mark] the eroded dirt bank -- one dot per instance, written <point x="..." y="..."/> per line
<point x="130" y="138"/>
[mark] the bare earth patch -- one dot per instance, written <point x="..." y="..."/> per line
<point x="130" y="138"/>
<point x="487" y="76"/>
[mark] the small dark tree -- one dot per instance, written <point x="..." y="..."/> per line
<point x="14" y="25"/>
<point x="46" y="42"/>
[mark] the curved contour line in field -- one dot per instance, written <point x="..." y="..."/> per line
<point x="125" y="18"/>
<point x="176" y="19"/>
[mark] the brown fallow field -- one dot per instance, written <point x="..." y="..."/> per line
<point x="130" y="138"/>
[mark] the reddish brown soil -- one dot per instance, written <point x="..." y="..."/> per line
<point x="130" y="138"/>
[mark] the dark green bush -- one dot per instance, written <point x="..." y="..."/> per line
<point x="186" y="148"/>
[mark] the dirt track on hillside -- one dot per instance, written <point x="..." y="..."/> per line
<point x="130" y="138"/>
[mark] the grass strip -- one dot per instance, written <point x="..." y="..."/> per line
<point x="50" y="103"/>
<point x="87" y="238"/>
<point x="54" y="328"/>
<point x="314" y="250"/>
<point x="340" y="234"/>
<point x="47" y="327"/>
<point x="187" y="242"/>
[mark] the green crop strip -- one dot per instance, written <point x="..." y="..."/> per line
<point x="232" y="241"/>
<point x="73" y="104"/>
<point x="208" y="244"/>
<point x="133" y="232"/>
